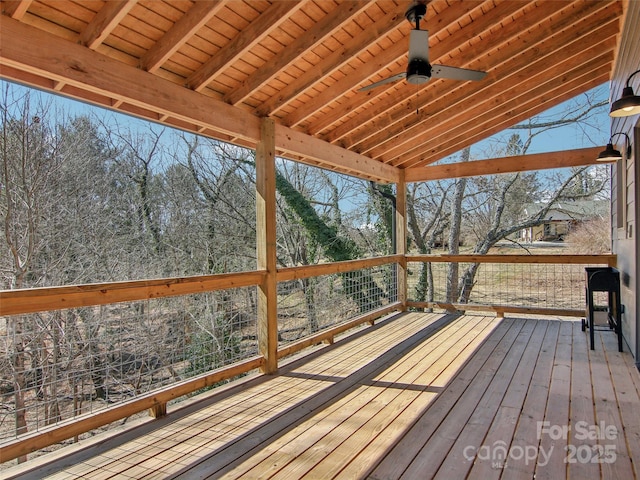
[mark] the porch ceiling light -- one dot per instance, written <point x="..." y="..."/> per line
<point x="628" y="104"/>
<point x="610" y="154"/>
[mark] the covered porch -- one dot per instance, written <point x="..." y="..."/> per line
<point x="418" y="395"/>
<point x="415" y="394"/>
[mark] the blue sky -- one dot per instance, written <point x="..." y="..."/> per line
<point x="588" y="134"/>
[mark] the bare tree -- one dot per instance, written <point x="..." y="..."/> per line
<point x="28" y="165"/>
<point x="492" y="207"/>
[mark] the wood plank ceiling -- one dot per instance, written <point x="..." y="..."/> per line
<point x="302" y="64"/>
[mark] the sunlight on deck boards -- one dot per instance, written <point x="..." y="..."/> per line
<point x="419" y="396"/>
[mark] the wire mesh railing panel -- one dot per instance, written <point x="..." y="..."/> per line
<point x="310" y="305"/>
<point x="534" y="285"/>
<point x="62" y="364"/>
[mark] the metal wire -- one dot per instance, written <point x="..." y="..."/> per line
<point x="62" y="364"/>
<point x="506" y="284"/>
<point x="309" y="305"/>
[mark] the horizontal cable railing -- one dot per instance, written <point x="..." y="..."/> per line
<point x="76" y="358"/>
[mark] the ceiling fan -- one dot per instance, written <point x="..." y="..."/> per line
<point x="419" y="70"/>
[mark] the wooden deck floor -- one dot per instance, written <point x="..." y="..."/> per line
<point x="421" y="396"/>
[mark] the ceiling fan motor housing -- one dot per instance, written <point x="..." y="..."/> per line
<point x="418" y="71"/>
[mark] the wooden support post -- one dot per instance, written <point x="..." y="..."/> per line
<point x="401" y="240"/>
<point x="159" y="410"/>
<point x="266" y="245"/>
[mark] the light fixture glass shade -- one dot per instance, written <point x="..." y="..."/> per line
<point x="628" y="104"/>
<point x="609" y="154"/>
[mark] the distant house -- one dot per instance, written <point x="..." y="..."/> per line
<point x="562" y="218"/>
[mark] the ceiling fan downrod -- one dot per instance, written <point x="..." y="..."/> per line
<point x="415" y="13"/>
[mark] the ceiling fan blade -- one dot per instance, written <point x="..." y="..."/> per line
<point x="455" y="73"/>
<point x="395" y="78"/>
<point x="419" y="45"/>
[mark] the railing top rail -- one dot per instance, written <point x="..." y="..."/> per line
<point x="607" y="259"/>
<point x="31" y="300"/>
<point x="305" y="271"/>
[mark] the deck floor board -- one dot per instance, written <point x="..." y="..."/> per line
<point x="416" y="396"/>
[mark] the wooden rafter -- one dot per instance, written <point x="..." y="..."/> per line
<point x="199" y="14"/>
<point x="15" y="8"/>
<point x="529" y="71"/>
<point x="319" y="32"/>
<point x="329" y="65"/>
<point x="440" y="118"/>
<point x="105" y="21"/>
<point x="248" y="37"/>
<point x="315" y="35"/>
<point x="393" y="54"/>
<point x="564" y="91"/>
<point x="302" y="64"/>
<point x="514" y="109"/>
<point x="387" y="109"/>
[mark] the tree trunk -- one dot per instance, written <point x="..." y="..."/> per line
<point x="308" y="287"/>
<point x="16" y="332"/>
<point x="454" y="232"/>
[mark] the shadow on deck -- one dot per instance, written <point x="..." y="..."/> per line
<point x="416" y="396"/>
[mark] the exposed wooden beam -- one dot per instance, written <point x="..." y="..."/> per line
<point x="105" y="78"/>
<point x="387" y="110"/>
<point x="312" y="37"/>
<point x="373" y="68"/>
<point x="519" y="163"/>
<point x="16" y="8"/>
<point x="192" y="21"/>
<point x="514" y="113"/>
<point x="105" y="21"/>
<point x="507" y="79"/>
<point x="337" y="59"/>
<point x="329" y="155"/>
<point x="250" y="36"/>
<point x="74" y="64"/>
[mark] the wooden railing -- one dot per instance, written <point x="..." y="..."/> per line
<point x="16" y="303"/>
<point x="512" y="283"/>
<point x="33" y="300"/>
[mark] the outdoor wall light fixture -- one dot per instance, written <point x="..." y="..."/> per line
<point x="610" y="154"/>
<point x="628" y="104"/>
